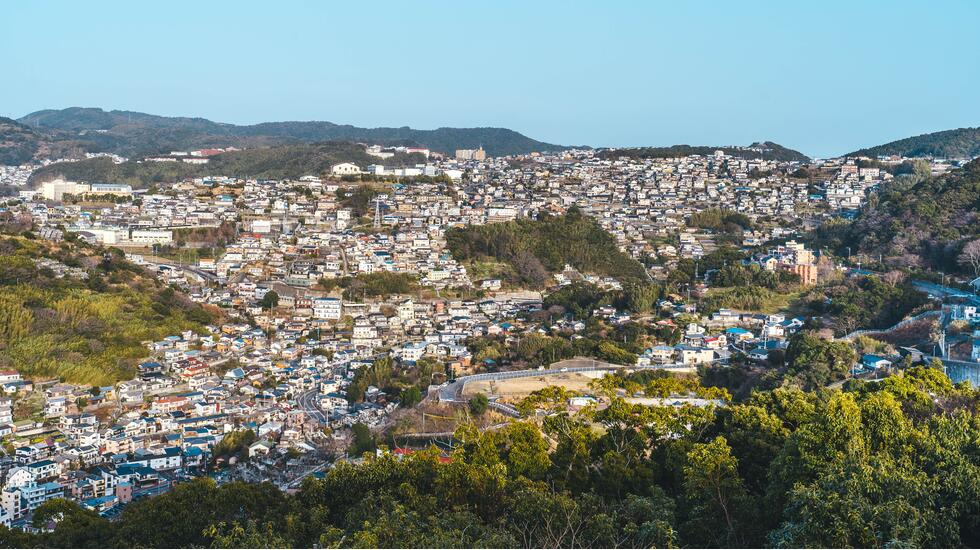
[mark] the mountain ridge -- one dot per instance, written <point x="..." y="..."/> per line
<point x="766" y="150"/>
<point x="132" y="133"/>
<point x="955" y="143"/>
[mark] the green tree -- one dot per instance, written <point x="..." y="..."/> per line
<point x="270" y="300"/>
<point x="479" y="404"/>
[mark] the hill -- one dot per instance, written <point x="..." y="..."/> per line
<point x="280" y="162"/>
<point x="533" y="250"/>
<point x="88" y="326"/>
<point x="959" y="143"/>
<point x="916" y="220"/>
<point x="135" y="134"/>
<point x="20" y="143"/>
<point x="766" y="150"/>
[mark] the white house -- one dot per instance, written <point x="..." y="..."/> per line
<point x="345" y="169"/>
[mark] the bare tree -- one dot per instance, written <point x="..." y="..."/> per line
<point x="970" y="256"/>
<point x="894" y="277"/>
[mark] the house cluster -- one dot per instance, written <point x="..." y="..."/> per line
<point x="282" y="368"/>
<point x="792" y="257"/>
<point x="716" y="337"/>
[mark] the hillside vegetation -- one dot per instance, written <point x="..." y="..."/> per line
<point x="282" y="162"/>
<point x="959" y="143"/>
<point x="892" y="464"/>
<point x="766" y="150"/>
<point x="82" y="330"/>
<point x="20" y="144"/>
<point x="917" y="221"/>
<point x="136" y="134"/>
<point x="536" y="249"/>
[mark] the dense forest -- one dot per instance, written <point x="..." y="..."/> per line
<point x="135" y="134"/>
<point x="889" y="464"/>
<point x="83" y="330"/>
<point x="917" y="220"/>
<point x="766" y="150"/>
<point x="536" y="249"/>
<point x="959" y="143"/>
<point x="283" y="162"/>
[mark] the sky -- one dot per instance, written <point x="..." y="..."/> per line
<point x="823" y="77"/>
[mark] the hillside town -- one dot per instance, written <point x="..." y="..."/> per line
<point x="278" y="257"/>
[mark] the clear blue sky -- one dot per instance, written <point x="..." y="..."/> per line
<point x="823" y="77"/>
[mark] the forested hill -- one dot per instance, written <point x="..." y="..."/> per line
<point x="959" y="143"/>
<point x="918" y="220"/>
<point x="536" y="249"/>
<point x="20" y="143"/>
<point x="766" y="150"/>
<point x="280" y="162"/>
<point x="133" y="134"/>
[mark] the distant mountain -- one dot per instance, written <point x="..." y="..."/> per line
<point x="959" y="143"/>
<point x="765" y="150"/>
<point x="278" y="162"/>
<point x="20" y="143"/>
<point x="133" y="134"/>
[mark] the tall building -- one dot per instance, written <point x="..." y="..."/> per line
<point x="471" y="154"/>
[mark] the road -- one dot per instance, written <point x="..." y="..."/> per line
<point x="307" y="402"/>
<point x="929" y="287"/>
<point x="452" y="392"/>
<point x="156" y="261"/>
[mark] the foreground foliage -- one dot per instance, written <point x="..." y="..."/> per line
<point x="891" y="464"/>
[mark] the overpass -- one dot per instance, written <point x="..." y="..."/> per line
<point x="187" y="269"/>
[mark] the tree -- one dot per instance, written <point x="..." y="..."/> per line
<point x="270" y="300"/>
<point x="410" y="397"/>
<point x="479" y="404"/>
<point x="815" y="362"/>
<point x="250" y="535"/>
<point x="970" y="256"/>
<point x="715" y="490"/>
<point x="364" y="440"/>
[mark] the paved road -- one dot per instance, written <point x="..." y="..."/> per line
<point x="929" y="287"/>
<point x="156" y="261"/>
<point x="307" y="402"/>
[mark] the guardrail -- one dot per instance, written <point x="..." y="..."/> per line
<point x="896" y="326"/>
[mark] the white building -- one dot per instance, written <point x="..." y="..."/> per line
<point x="55" y="190"/>
<point x="327" y="308"/>
<point x="152" y="236"/>
<point x="345" y="169"/>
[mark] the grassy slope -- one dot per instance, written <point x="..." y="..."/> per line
<point x="84" y="332"/>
